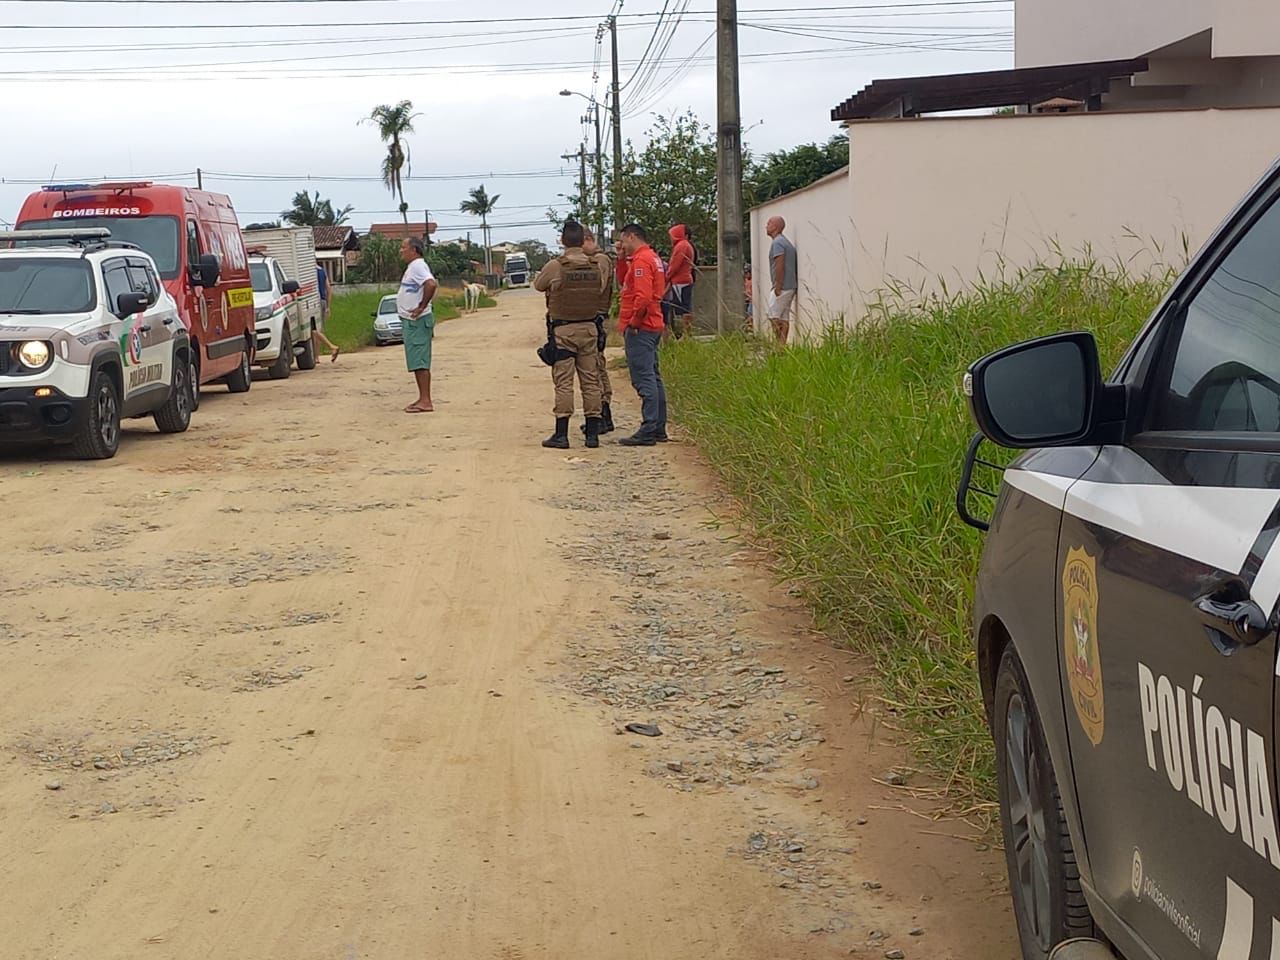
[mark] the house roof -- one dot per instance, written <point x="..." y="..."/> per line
<point x="398" y="231"/>
<point x="912" y="96"/>
<point x="331" y="238"/>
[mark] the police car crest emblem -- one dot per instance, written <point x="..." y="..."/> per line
<point x="1080" y="641"/>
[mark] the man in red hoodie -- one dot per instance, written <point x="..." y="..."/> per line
<point x="643" y="282"/>
<point x="680" y="277"/>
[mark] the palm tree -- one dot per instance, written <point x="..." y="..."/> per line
<point x="309" y="211"/>
<point x="393" y="123"/>
<point x="481" y="205"/>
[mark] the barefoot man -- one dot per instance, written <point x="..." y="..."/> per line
<point x="417" y="322"/>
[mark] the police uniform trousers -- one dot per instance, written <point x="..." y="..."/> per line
<point x="580" y="338"/>
<point x="606" y="388"/>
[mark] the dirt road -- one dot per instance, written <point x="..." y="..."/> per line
<point x="320" y="679"/>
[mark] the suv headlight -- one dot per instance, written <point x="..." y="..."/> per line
<point x="34" y="354"/>
<point x="262" y="313"/>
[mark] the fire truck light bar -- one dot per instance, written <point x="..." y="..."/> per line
<point x="82" y="187"/>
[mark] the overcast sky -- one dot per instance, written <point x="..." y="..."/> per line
<point x="91" y="88"/>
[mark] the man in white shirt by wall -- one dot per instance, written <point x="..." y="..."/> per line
<point x="417" y="322"/>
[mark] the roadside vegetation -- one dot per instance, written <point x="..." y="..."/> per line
<point x="350" y="323"/>
<point x="845" y="455"/>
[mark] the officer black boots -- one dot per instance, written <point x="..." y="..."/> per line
<point x="593" y="431"/>
<point x="606" y="419"/>
<point x="560" y="439"/>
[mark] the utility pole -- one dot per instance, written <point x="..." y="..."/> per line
<point x="426" y="228"/>
<point x="199" y="179"/>
<point x="617" y="130"/>
<point x="581" y="157"/>
<point x="730" y="301"/>
<point x="595" y="109"/>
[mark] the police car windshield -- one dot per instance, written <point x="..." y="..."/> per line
<point x="387" y="305"/>
<point x="38" y="285"/>
<point x="260" y="274"/>
<point x="158" y="236"/>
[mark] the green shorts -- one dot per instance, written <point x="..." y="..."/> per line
<point x="417" y="340"/>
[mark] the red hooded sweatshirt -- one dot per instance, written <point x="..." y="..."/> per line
<point x="640" y="277"/>
<point x="680" y="269"/>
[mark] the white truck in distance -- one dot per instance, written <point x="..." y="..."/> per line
<point x="286" y="297"/>
<point x="515" y="270"/>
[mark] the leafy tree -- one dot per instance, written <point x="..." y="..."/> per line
<point x="787" y="170"/>
<point x="537" y="252"/>
<point x="448" y="260"/>
<point x="309" y="211"/>
<point x="268" y="225"/>
<point x="672" y="179"/>
<point x="379" y="258"/>
<point x="393" y="123"/>
<point x="481" y="205"/>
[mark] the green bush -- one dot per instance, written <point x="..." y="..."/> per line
<point x="845" y="453"/>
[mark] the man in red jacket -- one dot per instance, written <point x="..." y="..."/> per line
<point x="680" y="277"/>
<point x="643" y="283"/>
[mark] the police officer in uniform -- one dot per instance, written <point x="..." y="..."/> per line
<point x="573" y="283"/>
<point x="591" y="247"/>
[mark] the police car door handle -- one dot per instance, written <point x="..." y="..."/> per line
<point x="1232" y="624"/>
<point x="168" y="321"/>
<point x="145" y="328"/>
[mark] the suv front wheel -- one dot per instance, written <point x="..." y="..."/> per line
<point x="175" y="415"/>
<point x="1048" y="902"/>
<point x="99" y="438"/>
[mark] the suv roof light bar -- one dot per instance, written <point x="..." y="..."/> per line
<point x="71" y="235"/>
<point x="119" y="185"/>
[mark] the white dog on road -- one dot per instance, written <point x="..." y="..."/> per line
<point x="472" y="293"/>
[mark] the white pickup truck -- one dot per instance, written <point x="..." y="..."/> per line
<point x="286" y="297"/>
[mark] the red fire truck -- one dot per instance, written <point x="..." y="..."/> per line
<point x="195" y="240"/>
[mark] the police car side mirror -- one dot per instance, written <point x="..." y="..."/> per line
<point x="1041" y="393"/>
<point x="290" y="286"/>
<point x="206" y="270"/>
<point x="127" y="304"/>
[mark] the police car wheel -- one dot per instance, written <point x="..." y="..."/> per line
<point x="193" y="380"/>
<point x="1049" y="904"/>
<point x="99" y="438"/>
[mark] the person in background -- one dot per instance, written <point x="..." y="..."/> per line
<point x="326" y="292"/>
<point x="601" y="259"/>
<point x="573" y="283"/>
<point x="749" y="325"/>
<point x="417" y="322"/>
<point x="680" y="277"/>
<point x="782" y="274"/>
<point x="640" y="323"/>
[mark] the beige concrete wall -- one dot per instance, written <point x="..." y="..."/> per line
<point x="946" y="200"/>
<point x="820" y="224"/>
<point x="1246" y="28"/>
<point x="1050" y="32"/>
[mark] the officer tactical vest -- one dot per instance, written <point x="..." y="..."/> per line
<point x="605" y="301"/>
<point x="578" y="296"/>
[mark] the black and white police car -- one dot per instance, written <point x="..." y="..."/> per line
<point x="1126" y="617"/>
<point x="88" y="337"/>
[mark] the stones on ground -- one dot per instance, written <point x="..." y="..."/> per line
<point x="419" y="676"/>
<point x="795" y="736"/>
<point x="807" y="783"/>
<point x="101" y="765"/>
<point x="849" y="678"/>
<point x="894" y="955"/>
<point x="644" y="729"/>
<point x="53" y="785"/>
<point x="794" y="846"/>
<point x="916" y="932"/>
<point x="662" y="535"/>
<point x="861" y="821"/>
<point x="896" y="778"/>
<point x="870" y="884"/>
<point x="675" y="766"/>
<point x="758" y="842"/>
<point x="773" y="671"/>
<point x="107" y="807"/>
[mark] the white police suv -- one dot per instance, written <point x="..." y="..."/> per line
<point x="88" y="336"/>
<point x="1126" y="617"/>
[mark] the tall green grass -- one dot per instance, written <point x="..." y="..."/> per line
<point x="350" y="323"/>
<point x="845" y="453"/>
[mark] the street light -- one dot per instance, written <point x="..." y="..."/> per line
<point x="595" y="112"/>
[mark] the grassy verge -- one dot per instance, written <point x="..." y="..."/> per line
<point x="350" y="323"/>
<point x="845" y="454"/>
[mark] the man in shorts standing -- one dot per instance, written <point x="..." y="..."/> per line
<point x="782" y="275"/>
<point x="680" y="277"/>
<point x="418" y="323"/>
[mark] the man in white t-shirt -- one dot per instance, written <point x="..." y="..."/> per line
<point x="417" y="322"/>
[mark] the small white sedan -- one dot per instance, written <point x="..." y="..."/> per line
<point x="386" y="322"/>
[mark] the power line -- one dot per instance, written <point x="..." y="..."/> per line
<point x="939" y="4"/>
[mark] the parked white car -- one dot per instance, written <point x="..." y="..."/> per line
<point x="386" y="322"/>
